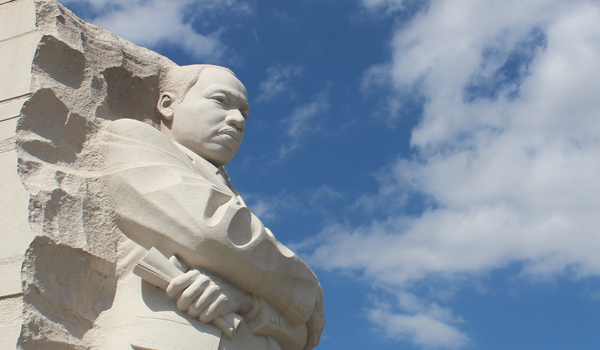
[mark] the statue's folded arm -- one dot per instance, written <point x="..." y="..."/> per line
<point x="161" y="200"/>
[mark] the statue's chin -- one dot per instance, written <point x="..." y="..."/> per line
<point x="218" y="153"/>
<point x="221" y="157"/>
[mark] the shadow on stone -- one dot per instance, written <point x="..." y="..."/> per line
<point x="47" y="130"/>
<point x="65" y="289"/>
<point x="128" y="96"/>
<point x="61" y="62"/>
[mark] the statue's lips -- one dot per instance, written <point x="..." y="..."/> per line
<point x="232" y="135"/>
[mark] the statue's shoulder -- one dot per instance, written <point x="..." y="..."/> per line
<point x="130" y="127"/>
<point x="129" y="140"/>
<point x="131" y="130"/>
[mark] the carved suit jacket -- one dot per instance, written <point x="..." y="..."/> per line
<point x="166" y="196"/>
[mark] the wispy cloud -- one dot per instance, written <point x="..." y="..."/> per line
<point x="387" y="5"/>
<point x="166" y="22"/>
<point x="323" y="194"/>
<point x="277" y="81"/>
<point x="270" y="207"/>
<point x="301" y="123"/>
<point x="507" y="150"/>
<point x="429" y="326"/>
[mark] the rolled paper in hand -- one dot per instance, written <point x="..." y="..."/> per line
<point x="156" y="269"/>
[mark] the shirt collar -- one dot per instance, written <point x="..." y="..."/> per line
<point x="204" y="164"/>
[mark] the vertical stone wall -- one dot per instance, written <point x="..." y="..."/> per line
<point x="18" y="42"/>
<point x="60" y="78"/>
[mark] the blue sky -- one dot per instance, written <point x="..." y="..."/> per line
<point x="435" y="162"/>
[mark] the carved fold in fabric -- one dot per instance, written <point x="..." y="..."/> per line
<point x="268" y="322"/>
<point x="182" y="336"/>
<point x="164" y="199"/>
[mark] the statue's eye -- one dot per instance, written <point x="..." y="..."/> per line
<point x="219" y="98"/>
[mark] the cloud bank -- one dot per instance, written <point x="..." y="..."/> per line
<point x="507" y="153"/>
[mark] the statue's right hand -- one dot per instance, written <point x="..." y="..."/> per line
<point x="207" y="297"/>
<point x="187" y="287"/>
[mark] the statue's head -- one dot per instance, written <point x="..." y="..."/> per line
<point x="204" y="108"/>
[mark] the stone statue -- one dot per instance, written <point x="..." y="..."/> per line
<point x="133" y="236"/>
<point x="171" y="192"/>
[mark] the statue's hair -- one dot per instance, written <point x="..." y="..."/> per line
<point x="179" y="80"/>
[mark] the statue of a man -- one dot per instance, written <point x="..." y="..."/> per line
<point x="170" y="191"/>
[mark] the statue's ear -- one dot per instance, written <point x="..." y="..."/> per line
<point x="165" y="105"/>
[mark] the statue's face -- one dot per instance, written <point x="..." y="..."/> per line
<point x="212" y="117"/>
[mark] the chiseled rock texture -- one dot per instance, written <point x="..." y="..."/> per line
<point x="64" y="76"/>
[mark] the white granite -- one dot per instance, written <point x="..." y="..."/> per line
<point x="7" y="128"/>
<point x="11" y="108"/>
<point x="112" y="162"/>
<point x="16" y="18"/>
<point x="158" y="180"/>
<point x="18" y="42"/>
<point x="10" y="278"/>
<point x="11" y="311"/>
<point x="14" y="230"/>
<point x="16" y="55"/>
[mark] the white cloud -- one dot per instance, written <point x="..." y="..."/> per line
<point x="322" y="195"/>
<point x="512" y="172"/>
<point x="388" y="5"/>
<point x="426" y="324"/>
<point x="422" y="328"/>
<point x="301" y="123"/>
<point x="277" y="81"/>
<point x="165" y="22"/>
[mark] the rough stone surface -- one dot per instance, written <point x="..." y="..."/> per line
<point x="65" y="95"/>
<point x="65" y="289"/>
<point x="81" y="75"/>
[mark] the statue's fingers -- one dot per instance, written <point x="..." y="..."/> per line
<point x="215" y="309"/>
<point x="179" y="283"/>
<point x="210" y="294"/>
<point x="180" y="264"/>
<point x="193" y="312"/>
<point x="192" y="292"/>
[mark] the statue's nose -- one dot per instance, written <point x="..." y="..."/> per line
<point x="236" y="119"/>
